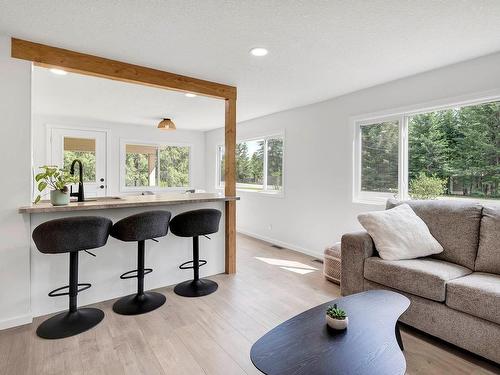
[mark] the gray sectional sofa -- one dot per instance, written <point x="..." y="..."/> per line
<point x="455" y="295"/>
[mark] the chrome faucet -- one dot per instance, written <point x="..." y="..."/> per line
<point x="80" y="194"/>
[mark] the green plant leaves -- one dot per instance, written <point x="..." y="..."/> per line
<point x="54" y="178"/>
<point x="336" y="313"/>
<point x="37" y="199"/>
<point x="42" y="185"/>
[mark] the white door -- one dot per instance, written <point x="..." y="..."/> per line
<point x="89" y="147"/>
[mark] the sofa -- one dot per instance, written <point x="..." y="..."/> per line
<point x="455" y="295"/>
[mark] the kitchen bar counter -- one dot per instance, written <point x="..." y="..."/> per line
<point x="48" y="272"/>
<point x="128" y="201"/>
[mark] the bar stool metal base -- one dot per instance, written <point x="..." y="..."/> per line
<point x="135" y="304"/>
<point x="68" y="323"/>
<point x="196" y="288"/>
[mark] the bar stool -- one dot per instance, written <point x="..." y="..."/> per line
<point x="140" y="227"/>
<point x="194" y="224"/>
<point x="71" y="235"/>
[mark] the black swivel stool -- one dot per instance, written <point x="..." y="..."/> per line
<point x="140" y="227"/>
<point x="71" y="235"/>
<point x="194" y="224"/>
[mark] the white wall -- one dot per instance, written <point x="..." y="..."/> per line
<point x="15" y="110"/>
<point x="317" y="207"/>
<point x="140" y="133"/>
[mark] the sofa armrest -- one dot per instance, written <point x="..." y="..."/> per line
<point x="355" y="248"/>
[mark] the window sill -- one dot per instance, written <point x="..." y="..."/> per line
<point x="371" y="202"/>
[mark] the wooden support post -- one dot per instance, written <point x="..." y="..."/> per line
<point x="230" y="184"/>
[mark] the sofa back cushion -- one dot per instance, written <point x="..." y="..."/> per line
<point x="454" y="224"/>
<point x="488" y="254"/>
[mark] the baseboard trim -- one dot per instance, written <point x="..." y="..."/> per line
<point x="17" y="321"/>
<point x="282" y="244"/>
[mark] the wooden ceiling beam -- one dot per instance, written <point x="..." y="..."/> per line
<point x="53" y="57"/>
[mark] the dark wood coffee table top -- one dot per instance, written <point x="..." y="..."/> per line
<point x="305" y="345"/>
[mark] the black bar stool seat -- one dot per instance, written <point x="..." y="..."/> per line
<point x="194" y="224"/>
<point x="71" y="235"/>
<point x="139" y="228"/>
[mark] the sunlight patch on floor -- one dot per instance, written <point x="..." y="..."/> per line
<point x="289" y="265"/>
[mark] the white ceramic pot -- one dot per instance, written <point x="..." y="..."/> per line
<point x="338" y="324"/>
<point x="59" y="198"/>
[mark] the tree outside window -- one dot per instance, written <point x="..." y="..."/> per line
<point x="453" y="152"/>
<point x="459" y="146"/>
<point x="252" y="157"/>
<point x="156" y="166"/>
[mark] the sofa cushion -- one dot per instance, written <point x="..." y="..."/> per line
<point x="425" y="277"/>
<point x="399" y="233"/>
<point x="488" y="253"/>
<point x="477" y="294"/>
<point x="454" y="224"/>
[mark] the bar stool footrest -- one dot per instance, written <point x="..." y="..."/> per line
<point x="81" y="288"/>
<point x="130" y="275"/>
<point x="201" y="263"/>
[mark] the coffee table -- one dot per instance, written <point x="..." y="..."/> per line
<point x="371" y="344"/>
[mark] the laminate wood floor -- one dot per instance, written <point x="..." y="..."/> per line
<point x="212" y="334"/>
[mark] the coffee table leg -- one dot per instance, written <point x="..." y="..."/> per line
<point x="398" y="337"/>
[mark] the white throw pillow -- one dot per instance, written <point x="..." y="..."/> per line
<point x="399" y="233"/>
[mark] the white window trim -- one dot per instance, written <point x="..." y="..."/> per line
<point x="402" y="115"/>
<point x="264" y="191"/>
<point x="369" y="196"/>
<point x="125" y="189"/>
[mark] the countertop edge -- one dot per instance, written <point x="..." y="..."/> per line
<point x="120" y="204"/>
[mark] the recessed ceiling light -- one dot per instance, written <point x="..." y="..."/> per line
<point x="259" y="51"/>
<point x="58" y="71"/>
<point x="190" y="95"/>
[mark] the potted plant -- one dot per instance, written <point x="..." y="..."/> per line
<point x="336" y="318"/>
<point x="57" y="180"/>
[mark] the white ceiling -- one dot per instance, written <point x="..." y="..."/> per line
<point x="318" y="49"/>
<point x="81" y="96"/>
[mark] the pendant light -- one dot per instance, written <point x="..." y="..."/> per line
<point x="166" y="124"/>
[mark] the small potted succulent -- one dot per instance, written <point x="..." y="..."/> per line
<point x="57" y="180"/>
<point x="336" y="318"/>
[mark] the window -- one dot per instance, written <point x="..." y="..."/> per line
<point x="84" y="150"/>
<point x="379" y="157"/>
<point x="450" y="152"/>
<point x="156" y="166"/>
<point x="259" y="164"/>
<point x="458" y="147"/>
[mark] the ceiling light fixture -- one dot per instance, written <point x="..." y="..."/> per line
<point x="190" y="95"/>
<point x="59" y="72"/>
<point x="259" y="51"/>
<point x="166" y="124"/>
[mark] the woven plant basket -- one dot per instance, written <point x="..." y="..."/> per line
<point x="331" y="263"/>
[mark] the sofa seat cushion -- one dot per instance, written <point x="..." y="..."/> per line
<point x="424" y="277"/>
<point x="477" y="294"/>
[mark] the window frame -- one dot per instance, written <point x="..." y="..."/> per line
<point x="402" y="115"/>
<point x="372" y="196"/>
<point x="125" y="189"/>
<point x="265" y="190"/>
